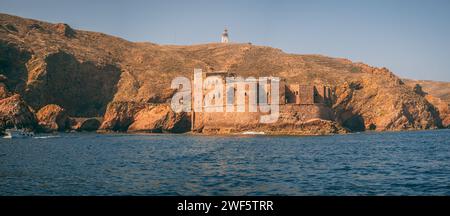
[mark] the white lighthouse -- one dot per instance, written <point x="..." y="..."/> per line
<point x="225" y="38"/>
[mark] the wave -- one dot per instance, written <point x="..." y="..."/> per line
<point x="45" y="137"/>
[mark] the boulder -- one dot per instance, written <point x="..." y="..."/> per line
<point x="14" y="112"/>
<point x="53" y="118"/>
<point x="65" y="30"/>
<point x="160" y="118"/>
<point x="85" y="124"/>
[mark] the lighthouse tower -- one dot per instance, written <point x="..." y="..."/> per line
<point x="225" y="38"/>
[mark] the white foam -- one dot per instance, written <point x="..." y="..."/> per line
<point x="253" y="133"/>
<point x="45" y="137"/>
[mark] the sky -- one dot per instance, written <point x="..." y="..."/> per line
<point x="410" y="37"/>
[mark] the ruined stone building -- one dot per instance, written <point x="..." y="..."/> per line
<point x="308" y="94"/>
<point x="308" y="101"/>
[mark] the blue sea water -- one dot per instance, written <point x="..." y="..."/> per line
<point x="390" y="163"/>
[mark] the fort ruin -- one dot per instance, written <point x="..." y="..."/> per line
<point x="223" y="109"/>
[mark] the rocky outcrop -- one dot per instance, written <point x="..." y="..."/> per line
<point x="437" y="93"/>
<point x="442" y="107"/>
<point x="293" y="119"/>
<point x="312" y="127"/>
<point x="143" y="117"/>
<point x="82" y="88"/>
<point x="53" y="118"/>
<point x="14" y="112"/>
<point x="306" y="128"/>
<point x="160" y="118"/>
<point x="120" y="115"/>
<point x="65" y="30"/>
<point x="13" y="67"/>
<point x="367" y="104"/>
<point x="85" y="124"/>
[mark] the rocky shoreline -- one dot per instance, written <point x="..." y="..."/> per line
<point x="152" y="118"/>
<point x="55" y="78"/>
<point x="142" y="119"/>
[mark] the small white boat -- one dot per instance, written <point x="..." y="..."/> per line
<point x="17" y="133"/>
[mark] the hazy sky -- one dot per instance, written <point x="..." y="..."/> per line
<point x="409" y="37"/>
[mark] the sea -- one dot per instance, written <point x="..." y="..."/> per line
<point x="369" y="163"/>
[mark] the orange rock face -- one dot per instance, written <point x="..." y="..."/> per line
<point x="366" y="104"/>
<point x="160" y="118"/>
<point x="442" y="107"/>
<point x="53" y="118"/>
<point x="438" y="94"/>
<point x="14" y="112"/>
<point x="141" y="117"/>
<point x="120" y="115"/>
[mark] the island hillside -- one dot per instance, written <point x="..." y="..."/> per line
<point x="56" y="78"/>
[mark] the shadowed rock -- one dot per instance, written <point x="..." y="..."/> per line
<point x="83" y="88"/>
<point x="85" y="124"/>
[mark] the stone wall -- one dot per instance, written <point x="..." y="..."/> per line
<point x="301" y="94"/>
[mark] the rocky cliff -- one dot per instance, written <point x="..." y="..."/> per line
<point x="437" y="93"/>
<point x="85" y="71"/>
